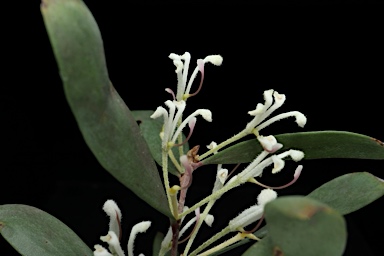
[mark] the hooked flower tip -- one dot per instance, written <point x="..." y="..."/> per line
<point x="206" y="114"/>
<point x="278" y="164"/>
<point x="100" y="251"/>
<point x="216" y="60"/>
<point x="265" y="196"/>
<point x="269" y="143"/>
<point x="159" y="112"/>
<point x="260" y="108"/>
<point x="296" y="155"/>
<point x="209" y="219"/>
<point x="301" y="120"/>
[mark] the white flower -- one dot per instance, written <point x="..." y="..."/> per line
<point x="183" y="88"/>
<point x="141" y="227"/>
<point x="101" y="251"/>
<point x="114" y="213"/>
<point x="256" y="167"/>
<point x="269" y="143"/>
<point x="112" y="238"/>
<point x="177" y="106"/>
<point x="263" y="111"/>
<point x="171" y="120"/>
<point x="265" y="196"/>
<point x="253" y="213"/>
<point x="114" y="243"/>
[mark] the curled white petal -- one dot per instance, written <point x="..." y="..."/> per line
<point x="296" y="155"/>
<point x="206" y="114"/>
<point x="265" y="196"/>
<point x="267" y="142"/>
<point x="138" y="228"/>
<point x="174" y="56"/>
<point x="299" y="116"/>
<point x="278" y="164"/>
<point x="279" y="98"/>
<point x="301" y="119"/>
<point x="268" y="98"/>
<point x="160" y="111"/>
<point x="101" y="251"/>
<point x="259" y="110"/>
<point x="114" y="244"/>
<point x="179" y="66"/>
<point x="209" y="219"/>
<point x="216" y="60"/>
<point x="114" y="213"/>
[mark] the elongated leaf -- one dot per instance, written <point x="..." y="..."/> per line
<point x="302" y="226"/>
<point x="105" y="121"/>
<point x="349" y="192"/>
<point x="150" y="129"/>
<point x="33" y="232"/>
<point x="315" y="145"/>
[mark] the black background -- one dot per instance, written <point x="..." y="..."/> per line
<point x="326" y="58"/>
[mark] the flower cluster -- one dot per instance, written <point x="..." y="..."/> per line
<point x="114" y="233"/>
<point x="174" y="123"/>
<point x="172" y="119"/>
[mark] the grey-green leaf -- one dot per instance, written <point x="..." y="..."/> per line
<point x="105" y="121"/>
<point x="150" y="129"/>
<point x="345" y="194"/>
<point x="264" y="247"/>
<point x="33" y="232"/>
<point x="315" y="145"/>
<point x="300" y="225"/>
<point x="349" y="192"/>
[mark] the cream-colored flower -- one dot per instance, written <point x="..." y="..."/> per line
<point x="253" y="213"/>
<point x="263" y="111"/>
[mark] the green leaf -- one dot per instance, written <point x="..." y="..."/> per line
<point x="315" y="145"/>
<point x="33" y="232"/>
<point x="344" y="194"/>
<point x="105" y="121"/>
<point x="264" y="247"/>
<point x="349" y="192"/>
<point x="150" y="129"/>
<point x="299" y="225"/>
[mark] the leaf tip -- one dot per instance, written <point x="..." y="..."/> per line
<point x="378" y="141"/>
<point x="379" y="179"/>
<point x="44" y="4"/>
